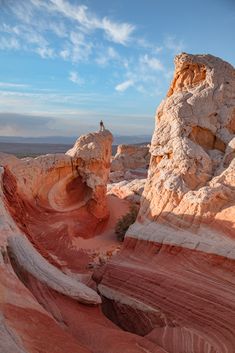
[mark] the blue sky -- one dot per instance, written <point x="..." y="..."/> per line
<point x="65" y="64"/>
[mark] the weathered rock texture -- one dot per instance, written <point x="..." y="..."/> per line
<point x="130" y="190"/>
<point x="55" y="199"/>
<point x="130" y="162"/>
<point x="130" y="157"/>
<point x="174" y="278"/>
<point x="48" y="207"/>
<point x="128" y="172"/>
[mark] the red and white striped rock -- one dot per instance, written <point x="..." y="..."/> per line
<point x="49" y="207"/>
<point x="173" y="281"/>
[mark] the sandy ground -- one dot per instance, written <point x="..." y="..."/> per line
<point x="107" y="239"/>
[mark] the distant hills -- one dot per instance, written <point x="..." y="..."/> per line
<point x="35" y="146"/>
<point x="64" y="140"/>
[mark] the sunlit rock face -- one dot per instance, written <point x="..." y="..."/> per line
<point x="172" y="284"/>
<point x="130" y="190"/>
<point x="92" y="154"/>
<point x="55" y="199"/>
<point x="53" y="211"/>
<point x="174" y="278"/>
<point x="129" y="172"/>
<point x="130" y="157"/>
<point x="25" y="325"/>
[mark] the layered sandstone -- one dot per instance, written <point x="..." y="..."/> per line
<point x="172" y="284"/>
<point x="54" y="215"/>
<point x="174" y="278"/>
<point x="55" y="199"/>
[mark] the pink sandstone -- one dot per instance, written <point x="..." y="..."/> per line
<point x="49" y="206"/>
<point x="171" y="287"/>
<point x="174" y="277"/>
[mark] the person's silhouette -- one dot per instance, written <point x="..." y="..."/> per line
<point x="102" y="128"/>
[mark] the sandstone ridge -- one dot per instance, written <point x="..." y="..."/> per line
<point x="179" y="254"/>
<point x="50" y="206"/>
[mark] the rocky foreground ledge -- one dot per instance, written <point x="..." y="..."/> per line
<point x="172" y="286"/>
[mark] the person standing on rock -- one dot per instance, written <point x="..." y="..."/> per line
<point x="102" y="128"/>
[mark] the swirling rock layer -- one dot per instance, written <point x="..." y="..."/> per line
<point x="172" y="284"/>
<point x="177" y="262"/>
<point x="49" y="206"/>
<point x="55" y="199"/>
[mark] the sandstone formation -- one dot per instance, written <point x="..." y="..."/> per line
<point x="60" y="198"/>
<point x="171" y="287"/>
<point x="128" y="172"/>
<point x="174" y="277"/>
<point x="130" y="190"/>
<point x="54" y="213"/>
<point x="130" y="162"/>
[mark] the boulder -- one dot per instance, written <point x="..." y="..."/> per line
<point x="128" y="174"/>
<point x="130" y="157"/>
<point x="130" y="190"/>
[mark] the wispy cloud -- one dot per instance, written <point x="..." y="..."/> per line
<point x="121" y="87"/>
<point x="9" y="29"/>
<point x="118" y="32"/>
<point x="174" y="45"/>
<point x="45" y="52"/>
<point x="25" y="37"/>
<point x="13" y="85"/>
<point x="66" y="30"/>
<point x="107" y="55"/>
<point x="9" y="43"/>
<point x="74" y="77"/>
<point x="144" y="75"/>
<point x="80" y="48"/>
<point x="152" y="62"/>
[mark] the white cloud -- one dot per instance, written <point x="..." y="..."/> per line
<point x="172" y="44"/>
<point x="25" y="37"/>
<point x="13" y="85"/>
<point x="107" y="55"/>
<point x="9" y="43"/>
<point x="9" y="29"/>
<point x="33" y="37"/>
<point x="22" y="9"/>
<point x="79" y="39"/>
<point x="64" y="54"/>
<point x="45" y="52"/>
<point x="152" y="47"/>
<point x="73" y="77"/>
<point x="152" y="63"/>
<point x="80" y="47"/>
<point x="146" y="74"/>
<point x="121" y="87"/>
<point x="57" y="27"/>
<point x="118" y="32"/>
<point x="76" y="48"/>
